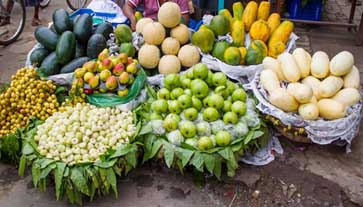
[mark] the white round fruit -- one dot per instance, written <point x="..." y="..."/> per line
<point x="142" y="23"/>
<point x="169" y="64"/>
<point x="188" y="55"/>
<point x="170" y="46"/>
<point x="169" y="14"/>
<point x="149" y="56"/>
<point x="153" y="33"/>
<point x="181" y="33"/>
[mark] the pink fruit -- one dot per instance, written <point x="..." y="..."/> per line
<point x="118" y="69"/>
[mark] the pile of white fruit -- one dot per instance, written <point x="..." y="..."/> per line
<point x="202" y="109"/>
<point x="317" y="87"/>
<point x="83" y="133"/>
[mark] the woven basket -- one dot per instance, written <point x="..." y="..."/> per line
<point x="291" y="136"/>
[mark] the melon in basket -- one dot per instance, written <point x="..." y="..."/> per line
<point x="169" y="14"/>
<point x="188" y="55"/>
<point x="169" y="64"/>
<point x="170" y="46"/>
<point x="149" y="56"/>
<point x="140" y="25"/>
<point x="181" y="33"/>
<point x="153" y="33"/>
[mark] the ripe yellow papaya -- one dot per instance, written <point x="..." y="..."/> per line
<point x="273" y="21"/>
<point x="249" y="15"/>
<point x="259" y="30"/>
<point x="282" y="33"/>
<point x="243" y="52"/>
<point x="263" y="10"/>
<point x="276" y="49"/>
<point x="238" y="33"/>
<point x="237" y="10"/>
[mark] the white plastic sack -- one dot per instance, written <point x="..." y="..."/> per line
<point x="318" y="131"/>
<point x="108" y="6"/>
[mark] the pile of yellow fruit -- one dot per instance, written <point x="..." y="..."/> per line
<point x="27" y="97"/>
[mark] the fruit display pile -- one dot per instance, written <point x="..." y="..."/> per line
<point x="27" y="97"/>
<point x="83" y="133"/>
<point x="316" y="86"/>
<point x="268" y="35"/>
<point x="199" y="113"/>
<point x="69" y="43"/>
<point x="176" y="52"/>
<point x="107" y="74"/>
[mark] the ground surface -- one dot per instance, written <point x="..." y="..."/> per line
<point x="305" y="175"/>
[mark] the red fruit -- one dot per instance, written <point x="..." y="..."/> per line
<point x="88" y="91"/>
<point x="107" y="63"/>
<point x="130" y="60"/>
<point x="118" y="69"/>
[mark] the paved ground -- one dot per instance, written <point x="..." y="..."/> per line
<point x="305" y="175"/>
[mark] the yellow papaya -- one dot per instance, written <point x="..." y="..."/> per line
<point x="276" y="49"/>
<point x="259" y="30"/>
<point x="243" y="52"/>
<point x="273" y="21"/>
<point x="282" y="33"/>
<point x="238" y="33"/>
<point x="237" y="8"/>
<point x="226" y="13"/>
<point x="249" y="15"/>
<point x="232" y="56"/>
<point x="263" y="10"/>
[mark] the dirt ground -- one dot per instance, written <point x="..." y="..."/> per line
<point x="305" y="175"/>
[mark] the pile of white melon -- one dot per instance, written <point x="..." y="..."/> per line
<point x="176" y="51"/>
<point x="316" y="86"/>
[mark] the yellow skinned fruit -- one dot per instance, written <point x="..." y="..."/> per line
<point x="273" y="22"/>
<point x="238" y="33"/>
<point x="237" y="10"/>
<point x="249" y="15"/>
<point x="331" y="109"/>
<point x="281" y="34"/>
<point x="243" y="52"/>
<point x="260" y="31"/>
<point x="138" y="16"/>
<point x="263" y="10"/>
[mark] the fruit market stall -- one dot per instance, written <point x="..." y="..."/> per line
<point x="96" y="100"/>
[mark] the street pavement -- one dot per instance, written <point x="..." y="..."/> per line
<point x="305" y="175"/>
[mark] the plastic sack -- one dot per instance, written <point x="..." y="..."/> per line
<point x="108" y="6"/>
<point x="107" y="100"/>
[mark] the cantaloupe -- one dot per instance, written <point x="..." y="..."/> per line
<point x="169" y="14"/>
<point x="149" y="56"/>
<point x="169" y="64"/>
<point x="153" y="33"/>
<point x="181" y="33"/>
<point x="142" y="23"/>
<point x="170" y="46"/>
<point x="188" y="55"/>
